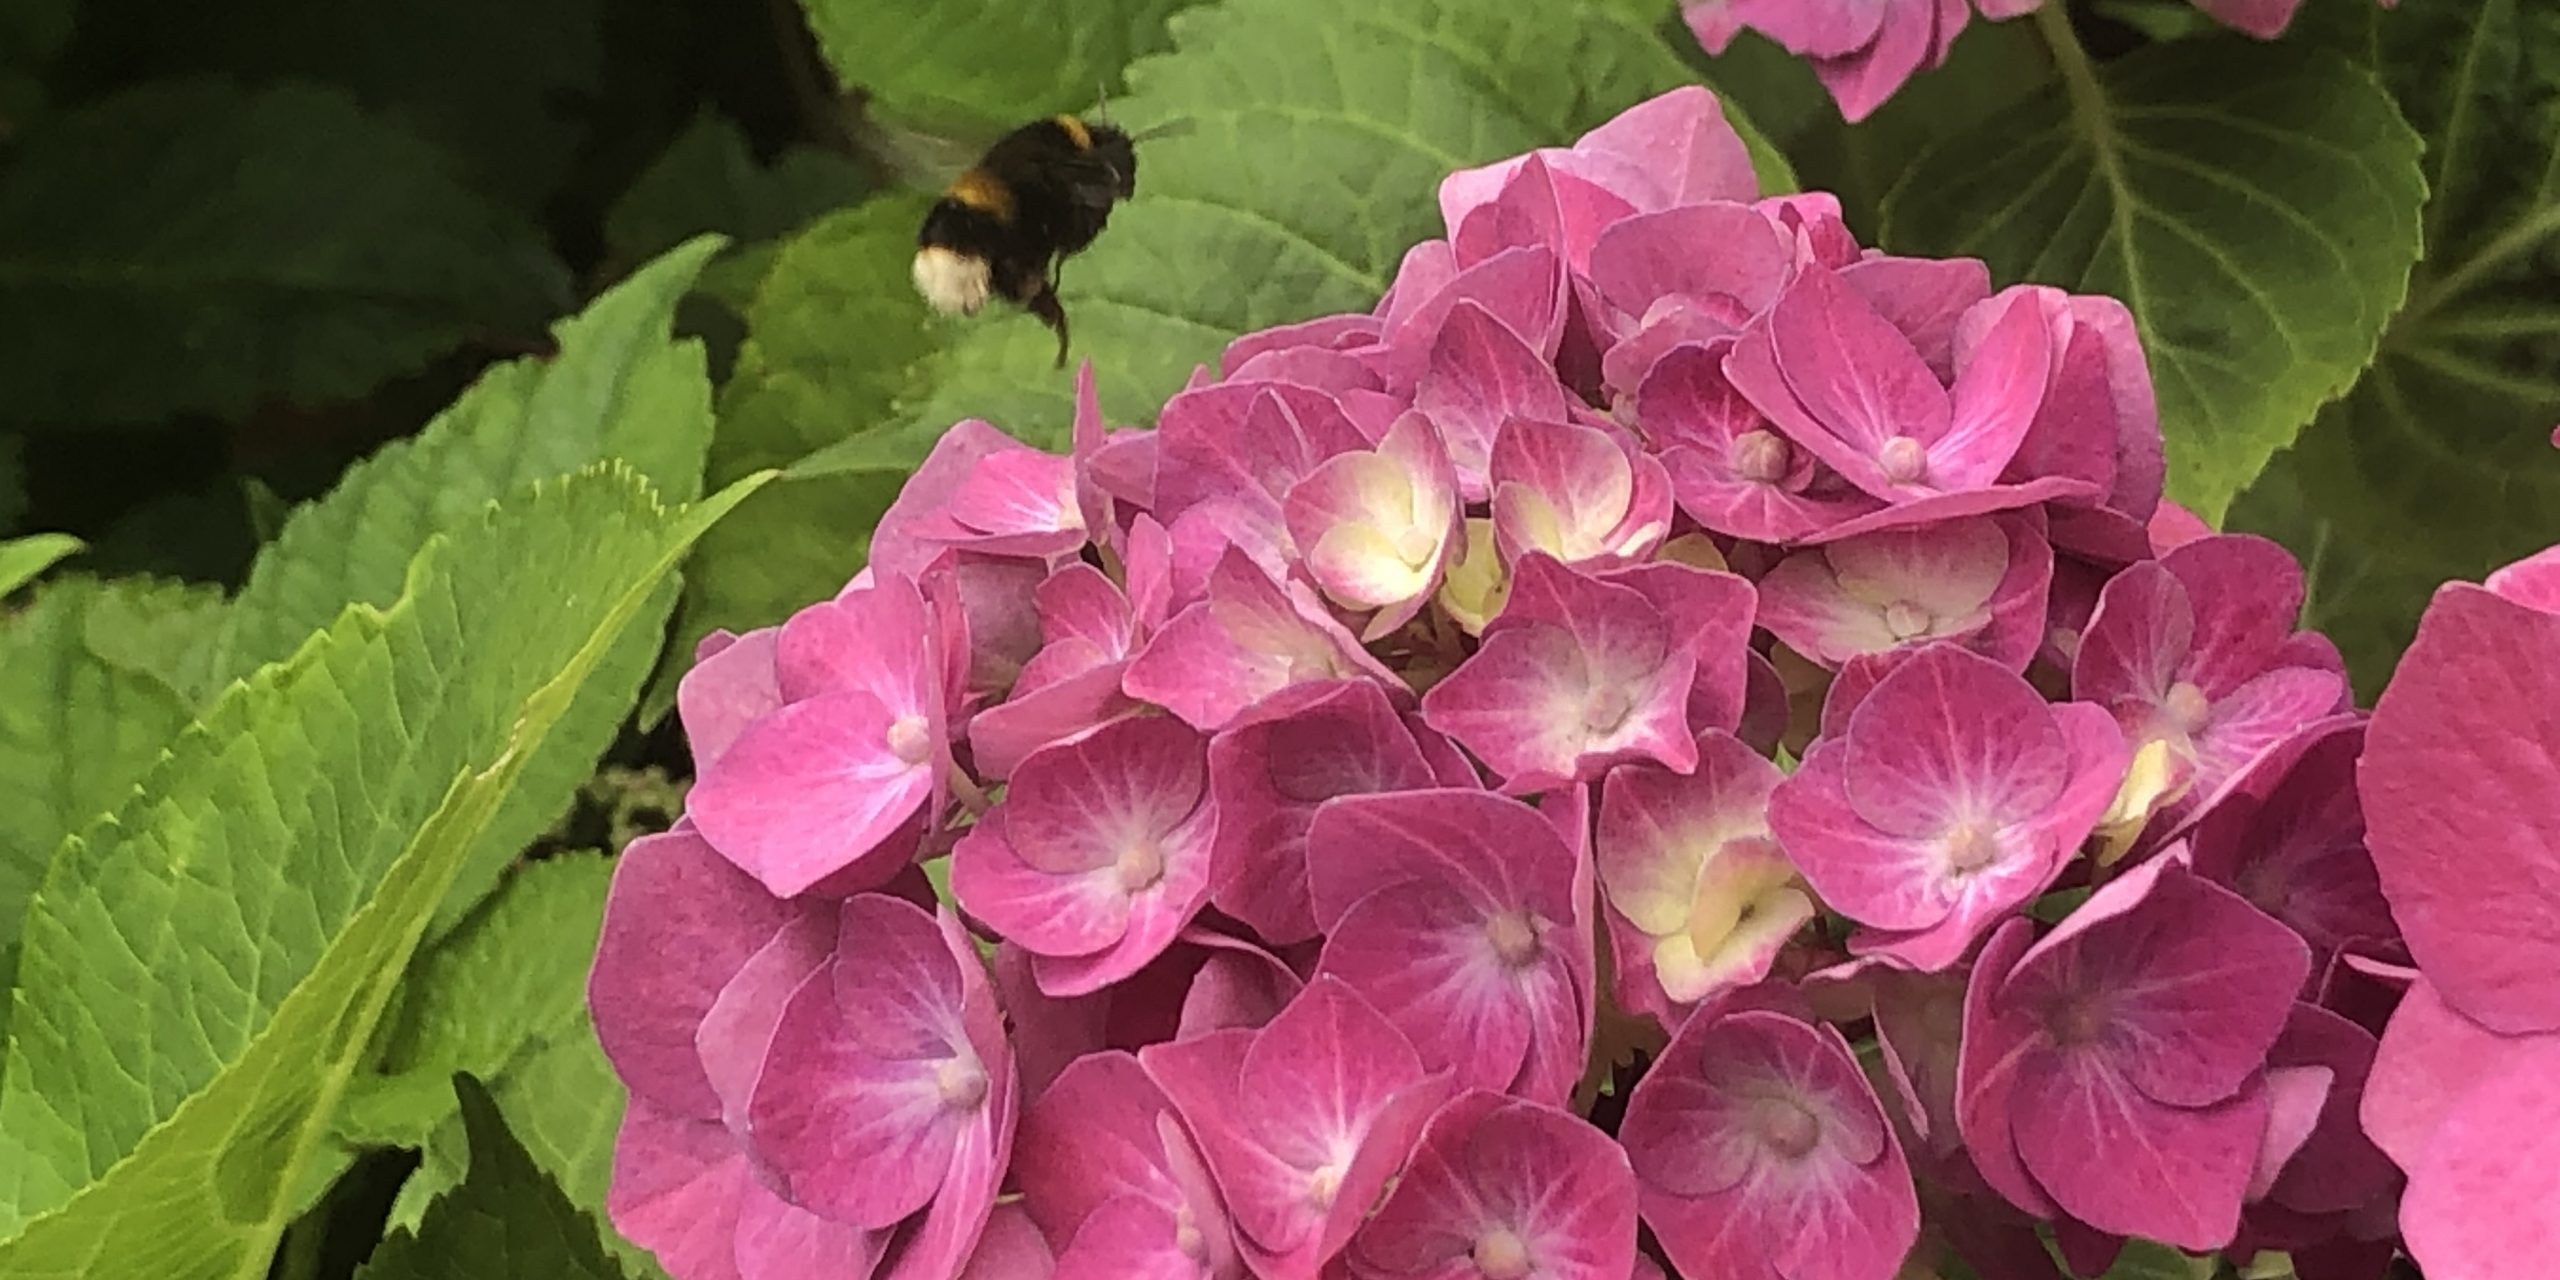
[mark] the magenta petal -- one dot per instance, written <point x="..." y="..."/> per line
<point x="1270" y="770"/>
<point x="2171" y="1174"/>
<point x="1480" y="374"/>
<point x="738" y="1031"/>
<point x="1492" y="1173"/>
<point x="812" y="790"/>
<point x="676" y="1188"/>
<point x="1129" y="1239"/>
<point x="1010" y="1249"/>
<point x="2487" y="1191"/>
<point x="1951" y="735"/>
<point x="2461" y="787"/>
<point x="1090" y="1138"/>
<point x="1575" y="675"/>
<point x="877" y="1088"/>
<point x="1251" y="638"/>
<point x="679" y="924"/>
<point x="1994" y="398"/>
<point x="1925" y="298"/>
<point x="2430" y="1058"/>
<point x="727" y="690"/>
<point x="1859" y="377"/>
<point x="1761" y="1150"/>
<point x="1655" y="255"/>
<point x="1997" y="1048"/>
<point x="2338" y="1167"/>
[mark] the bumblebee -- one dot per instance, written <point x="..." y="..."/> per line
<point x="1004" y="227"/>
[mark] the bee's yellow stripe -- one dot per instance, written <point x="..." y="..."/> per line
<point x="980" y="190"/>
<point x="1076" y="132"/>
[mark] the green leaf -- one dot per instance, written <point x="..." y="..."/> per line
<point x="190" y="247"/>
<point x="32" y="32"/>
<point x="708" y="180"/>
<point x="2148" y="1260"/>
<point x="202" y="972"/>
<point x="503" y="985"/>
<point x="507" y="1220"/>
<point x="2256" y="205"/>
<point x="2439" y="466"/>
<point x="984" y="66"/>
<point x="620" y="388"/>
<point x="76" y="730"/>
<point x="21" y="559"/>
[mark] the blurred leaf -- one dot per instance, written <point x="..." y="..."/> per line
<point x="2148" y="1260"/>
<point x="620" y="388"/>
<point x="2440" y="465"/>
<point x="1994" y="69"/>
<point x="202" y="972"/>
<point x="2257" y="207"/>
<point x="510" y="91"/>
<point x="708" y="180"/>
<point x="980" y="67"/>
<point x="21" y="559"/>
<point x="13" y="482"/>
<point x="191" y="247"/>
<point x="32" y="33"/>
<point x="507" y="1220"/>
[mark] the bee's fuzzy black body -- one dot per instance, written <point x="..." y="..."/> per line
<point x="1040" y="195"/>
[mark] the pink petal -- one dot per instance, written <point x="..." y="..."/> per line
<point x="1489" y="1164"/>
<point x="1859" y="378"/>
<point x="2430" y="1058"/>
<point x="1090" y="1138"/>
<point x="1248" y="640"/>
<point x="1011" y="1248"/>
<point x="1951" y="737"/>
<point x="1481" y="373"/>
<point x="2461" y="786"/>
<point x="1994" y="397"/>
<point x="1269" y="771"/>
<point x="676" y="1188"/>
<point x="727" y="690"/>
<point x="737" y="1032"/>
<point x="679" y="924"/>
<point x="1657" y="255"/>
<point x="815" y="791"/>
<point x="2170" y="1174"/>
<point x="2487" y="1191"/>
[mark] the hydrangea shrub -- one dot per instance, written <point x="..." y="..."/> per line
<point x="1674" y="718"/>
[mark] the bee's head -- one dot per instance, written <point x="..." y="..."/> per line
<point x="1116" y="149"/>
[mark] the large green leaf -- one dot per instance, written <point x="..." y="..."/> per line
<point x="76" y="729"/>
<point x="2440" y="464"/>
<point x="707" y="180"/>
<point x="21" y="559"/>
<point x="190" y="247"/>
<point x="1318" y="132"/>
<point x="620" y="388"/>
<point x="983" y="66"/>
<point x="203" y="971"/>
<point x="2257" y="206"/>
<point x="507" y="1220"/>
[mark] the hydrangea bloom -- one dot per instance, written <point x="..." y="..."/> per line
<point x="1670" y="716"/>
<point x="1865" y="50"/>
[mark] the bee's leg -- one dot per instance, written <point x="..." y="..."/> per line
<point x="1044" y="304"/>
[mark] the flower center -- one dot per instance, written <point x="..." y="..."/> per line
<point x="1607" y="708"/>
<point x="1187" y="1236"/>
<point x="1323" y="1185"/>
<point x="1514" y="937"/>
<point x="1788" y="1128"/>
<point x="1500" y="1255"/>
<point x="1760" y="457"/>
<point x="910" y="740"/>
<point x="961" y="1082"/>
<point x="1904" y="459"/>
<point x="2188" y="708"/>
<point x="1414" y="545"/>
<point x="1906" y="620"/>
<point x="2076" y="1020"/>
<point x="1140" y="865"/>
<point x="1971" y="847"/>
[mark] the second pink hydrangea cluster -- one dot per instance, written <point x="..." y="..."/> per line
<point x="1661" y="634"/>
<point x="1865" y="50"/>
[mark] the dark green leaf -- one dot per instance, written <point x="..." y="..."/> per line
<point x="507" y="1220"/>
<point x="2440" y="465"/>
<point x="2257" y="207"/>
<point x="708" y="180"/>
<point x="983" y="66"/>
<point x="190" y="247"/>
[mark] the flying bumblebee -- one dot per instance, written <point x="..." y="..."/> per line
<point x="1004" y="227"/>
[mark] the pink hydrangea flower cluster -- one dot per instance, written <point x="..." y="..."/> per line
<point x="1673" y="717"/>
<point x="1865" y="50"/>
